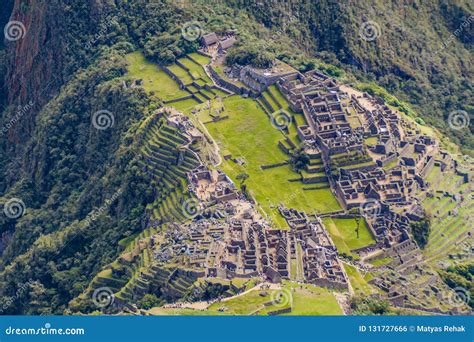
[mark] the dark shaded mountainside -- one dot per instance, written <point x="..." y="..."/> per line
<point x="69" y="65"/>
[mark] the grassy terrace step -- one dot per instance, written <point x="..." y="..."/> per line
<point x="440" y="227"/>
<point x="435" y="252"/>
<point x="162" y="140"/>
<point x="192" y="89"/>
<point x="285" y="144"/>
<point x="200" y="98"/>
<point x="200" y="82"/>
<point x="166" y="129"/>
<point x="174" y="137"/>
<point x="306" y="174"/>
<point x="156" y="153"/>
<point x="208" y="93"/>
<point x="160" y="159"/>
<point x="267" y="105"/>
<point x="196" y="70"/>
<point x="179" y="287"/>
<point x="315" y="169"/>
<point x="219" y="92"/>
<point x="171" y="130"/>
<point x="273" y="89"/>
<point x="181" y="73"/>
<point x="202" y="60"/>
<point x="154" y="79"/>
<point x="275" y="105"/>
<point x="204" y="96"/>
<point x="316" y="161"/>
<point x="264" y="107"/>
<point x="360" y="165"/>
<point x="153" y="146"/>
<point x="451" y="230"/>
<point x="316" y="186"/>
<point x="157" y="146"/>
<point x="154" y="164"/>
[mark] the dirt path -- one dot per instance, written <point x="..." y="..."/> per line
<point x="204" y="304"/>
<point x="262" y="286"/>
<point x="214" y="143"/>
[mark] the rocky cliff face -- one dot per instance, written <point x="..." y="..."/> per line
<point x="42" y="51"/>
<point x="47" y="54"/>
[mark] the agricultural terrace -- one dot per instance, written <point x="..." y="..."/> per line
<point x="155" y="81"/>
<point x="450" y="226"/>
<point x="358" y="282"/>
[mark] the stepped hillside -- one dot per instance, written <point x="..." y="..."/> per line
<point x="89" y="190"/>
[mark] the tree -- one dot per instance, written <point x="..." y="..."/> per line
<point x="299" y="160"/>
<point x="369" y="306"/>
<point x="421" y="231"/>
<point x="149" y="301"/>
<point x="242" y="177"/>
<point x="250" y="54"/>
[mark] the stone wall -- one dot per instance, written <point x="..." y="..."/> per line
<point x="225" y="84"/>
<point x="173" y="76"/>
<point x="330" y="284"/>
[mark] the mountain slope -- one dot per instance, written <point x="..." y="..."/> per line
<point x="70" y="65"/>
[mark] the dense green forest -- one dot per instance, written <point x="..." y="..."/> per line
<point x="71" y="65"/>
<point x="461" y="279"/>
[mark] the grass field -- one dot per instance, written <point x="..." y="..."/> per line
<point x="154" y="79"/>
<point x="181" y="73"/>
<point x="344" y="235"/>
<point x="372" y="141"/>
<point x="381" y="261"/>
<point x="186" y="106"/>
<point x="312" y="300"/>
<point x="304" y="299"/>
<point x="203" y="60"/>
<point x="248" y="134"/>
<point x="359" y="284"/>
<point x="195" y="69"/>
